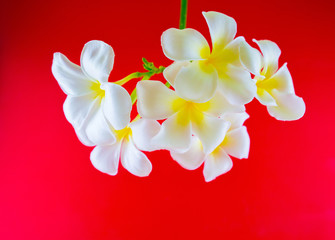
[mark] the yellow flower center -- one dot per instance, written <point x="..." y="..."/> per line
<point x="189" y="111"/>
<point x="123" y="134"/>
<point x="218" y="59"/>
<point x="96" y="87"/>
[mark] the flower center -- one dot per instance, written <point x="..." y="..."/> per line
<point x="123" y="134"/>
<point x="189" y="111"/>
<point x="98" y="88"/>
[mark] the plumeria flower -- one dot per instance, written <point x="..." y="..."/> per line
<point x="236" y="143"/>
<point x="184" y="117"/>
<point x="274" y="86"/>
<point x="200" y="70"/>
<point x="92" y="102"/>
<point x="136" y="135"/>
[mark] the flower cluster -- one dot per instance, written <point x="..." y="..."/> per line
<point x="201" y="107"/>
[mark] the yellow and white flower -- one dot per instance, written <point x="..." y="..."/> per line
<point x="134" y="137"/>
<point x="236" y="143"/>
<point x="274" y="86"/>
<point x="200" y="70"/>
<point x="184" y="117"/>
<point x="92" y="103"/>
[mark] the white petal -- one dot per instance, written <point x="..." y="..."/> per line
<point x="251" y="58"/>
<point x="81" y="131"/>
<point x="70" y="77"/>
<point x="185" y="44"/>
<point x="281" y="80"/>
<point x="117" y="105"/>
<point x="265" y="98"/>
<point x="192" y="158"/>
<point x="98" y="130"/>
<point x="196" y="84"/>
<point x="271" y="53"/>
<point x="237" y="143"/>
<point x="143" y="130"/>
<point x="135" y="161"/>
<point x="237" y="86"/>
<point x="211" y="132"/>
<point x="216" y="165"/>
<point x="236" y="119"/>
<point x="82" y="136"/>
<point x="155" y="100"/>
<point x="221" y="27"/>
<point x="289" y="106"/>
<point x="219" y="105"/>
<point x="77" y="109"/>
<point x="97" y="60"/>
<point x="174" y="135"/>
<point x="106" y="158"/>
<point x="170" y="72"/>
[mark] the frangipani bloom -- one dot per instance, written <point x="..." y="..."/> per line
<point x="184" y="118"/>
<point x="274" y="86"/>
<point x="92" y="102"/>
<point x="210" y="69"/>
<point x="236" y="143"/>
<point x="137" y="135"/>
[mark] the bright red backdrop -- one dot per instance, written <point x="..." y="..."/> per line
<point x="50" y="190"/>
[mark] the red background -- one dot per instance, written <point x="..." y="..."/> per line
<point x="50" y="190"/>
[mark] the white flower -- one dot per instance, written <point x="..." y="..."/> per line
<point x="220" y="68"/>
<point x="184" y="117"/>
<point x="137" y="135"/>
<point x="236" y="143"/>
<point x="92" y="102"/>
<point x="274" y="86"/>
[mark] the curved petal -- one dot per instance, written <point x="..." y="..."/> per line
<point x="196" y="83"/>
<point x="251" y="59"/>
<point x="265" y="98"/>
<point x="81" y="131"/>
<point x="82" y="136"/>
<point x="155" y="100"/>
<point x="98" y="130"/>
<point x="236" y="119"/>
<point x="211" y="132"/>
<point x="237" y="86"/>
<point x="117" y="105"/>
<point x="219" y="105"/>
<point x="143" y="130"/>
<point x="216" y="165"/>
<point x="192" y="158"/>
<point x="271" y="53"/>
<point x="135" y="161"/>
<point x="281" y="80"/>
<point x="237" y="143"/>
<point x="97" y="60"/>
<point x="77" y="109"/>
<point x="185" y="44"/>
<point x="221" y="27"/>
<point x="170" y="72"/>
<point x="106" y="158"/>
<point x="70" y="77"/>
<point x="174" y="135"/>
<point x="289" y="106"/>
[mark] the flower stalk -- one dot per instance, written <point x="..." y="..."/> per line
<point x="183" y="14"/>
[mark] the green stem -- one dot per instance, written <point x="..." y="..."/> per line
<point x="151" y="71"/>
<point x="130" y="77"/>
<point x="183" y="14"/>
